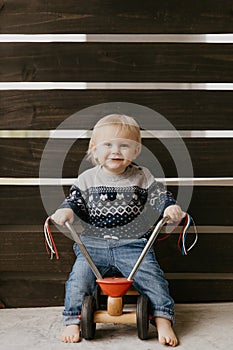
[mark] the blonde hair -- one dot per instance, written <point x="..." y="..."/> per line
<point x="122" y="124"/>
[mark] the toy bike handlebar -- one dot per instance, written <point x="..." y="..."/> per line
<point x="149" y="244"/>
<point x="83" y="249"/>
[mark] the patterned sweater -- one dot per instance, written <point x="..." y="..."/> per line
<point x="119" y="206"/>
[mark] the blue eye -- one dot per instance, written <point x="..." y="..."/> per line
<point x="124" y="145"/>
<point x="107" y="144"/>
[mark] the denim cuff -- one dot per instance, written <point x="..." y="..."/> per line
<point x="68" y="320"/>
<point x="162" y="314"/>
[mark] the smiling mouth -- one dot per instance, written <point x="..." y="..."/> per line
<point x="115" y="159"/>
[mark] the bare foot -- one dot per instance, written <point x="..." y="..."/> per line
<point x="165" y="332"/>
<point x="71" y="334"/>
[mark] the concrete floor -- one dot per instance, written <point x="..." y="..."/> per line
<point x="199" y="326"/>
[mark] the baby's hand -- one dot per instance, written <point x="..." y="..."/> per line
<point x="62" y="215"/>
<point x="175" y="213"/>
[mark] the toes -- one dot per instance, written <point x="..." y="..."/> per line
<point x="68" y="340"/>
<point x="75" y="339"/>
<point x="162" y="340"/>
<point x="168" y="341"/>
<point x="71" y="339"/>
<point x="63" y="339"/>
<point x="172" y="342"/>
<point x="71" y="334"/>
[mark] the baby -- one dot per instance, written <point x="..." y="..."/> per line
<point x="117" y="202"/>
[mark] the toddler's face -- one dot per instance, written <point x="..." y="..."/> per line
<point x="115" y="153"/>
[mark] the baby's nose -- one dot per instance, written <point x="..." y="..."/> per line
<point x="115" y="148"/>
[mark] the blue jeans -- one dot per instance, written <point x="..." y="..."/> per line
<point x="120" y="255"/>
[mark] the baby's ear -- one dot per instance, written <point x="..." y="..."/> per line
<point x="92" y="146"/>
<point x="138" y="149"/>
<point x="91" y="153"/>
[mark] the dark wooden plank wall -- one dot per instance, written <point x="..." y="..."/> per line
<point x="22" y="204"/>
<point x="26" y="272"/>
<point x="116" y="62"/>
<point x="45" y="110"/>
<point x="102" y="16"/>
<point x="22" y="156"/>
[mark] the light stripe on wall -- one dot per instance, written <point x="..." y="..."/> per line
<point x="85" y="134"/>
<point x="118" y="38"/>
<point x="202" y="181"/>
<point x="113" y="86"/>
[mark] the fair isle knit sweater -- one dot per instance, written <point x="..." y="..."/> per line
<point x="121" y="206"/>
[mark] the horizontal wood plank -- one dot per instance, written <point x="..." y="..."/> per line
<point x="16" y="288"/>
<point x="77" y="16"/>
<point x="201" y="290"/>
<point x="22" y="157"/>
<point x="24" y="251"/>
<point x="107" y="62"/>
<point x="23" y="259"/>
<point x="45" y="110"/>
<point x="22" y="205"/>
<point x="28" y="291"/>
<point x="197" y="260"/>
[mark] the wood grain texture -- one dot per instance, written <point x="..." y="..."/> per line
<point x="46" y="109"/>
<point x="197" y="290"/>
<point x="22" y="205"/>
<point x="32" y="290"/>
<point x="209" y="156"/>
<point x="101" y="16"/>
<point x="25" y="252"/>
<point x="27" y="274"/>
<point x="16" y="288"/>
<point x="15" y="255"/>
<point x="107" y="62"/>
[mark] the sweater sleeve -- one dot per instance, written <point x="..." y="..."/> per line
<point x="76" y="202"/>
<point x="159" y="198"/>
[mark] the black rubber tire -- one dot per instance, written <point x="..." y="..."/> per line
<point x="142" y="317"/>
<point x="97" y="296"/>
<point x="87" y="318"/>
